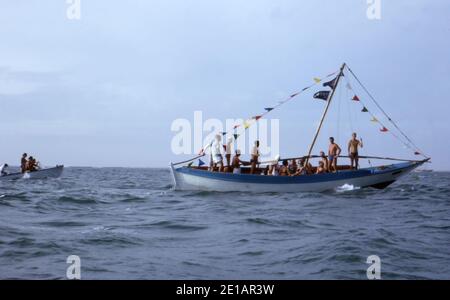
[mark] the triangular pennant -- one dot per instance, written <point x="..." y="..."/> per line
<point x="364" y="109"/>
<point x="190" y="164"/>
<point x="304" y="89"/>
<point x="384" y="129"/>
<point x="317" y="80"/>
<point x="269" y="108"/>
<point x="200" y="162"/>
<point x="246" y="125"/>
<point x="236" y="126"/>
<point x="257" y="117"/>
<point x="375" y="120"/>
<point x="355" y="98"/>
<point x="293" y="95"/>
<point x="417" y="153"/>
<point x="223" y="133"/>
<point x="331" y="84"/>
<point x="323" y="95"/>
<point x="236" y="136"/>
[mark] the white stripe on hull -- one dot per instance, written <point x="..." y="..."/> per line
<point x="185" y="181"/>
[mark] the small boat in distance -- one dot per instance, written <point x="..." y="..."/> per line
<point x="54" y="172"/>
<point x="189" y="177"/>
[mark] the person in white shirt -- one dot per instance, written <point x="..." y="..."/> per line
<point x="3" y="171"/>
<point x="228" y="151"/>
<point x="216" y="152"/>
<point x="255" y="156"/>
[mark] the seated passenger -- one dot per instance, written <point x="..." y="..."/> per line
<point x="292" y="167"/>
<point x="237" y="162"/>
<point x="31" y="165"/>
<point x="284" y="170"/>
<point x="321" y="168"/>
<point x="324" y="159"/>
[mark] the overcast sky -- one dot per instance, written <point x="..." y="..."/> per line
<point x="105" y="89"/>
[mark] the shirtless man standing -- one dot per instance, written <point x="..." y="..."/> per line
<point x="333" y="152"/>
<point x="24" y="163"/>
<point x="353" y="145"/>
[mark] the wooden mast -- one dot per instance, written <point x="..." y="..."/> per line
<point x="341" y="72"/>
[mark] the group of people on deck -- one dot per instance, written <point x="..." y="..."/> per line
<point x="293" y="167"/>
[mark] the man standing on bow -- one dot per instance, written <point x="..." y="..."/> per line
<point x="353" y="145"/>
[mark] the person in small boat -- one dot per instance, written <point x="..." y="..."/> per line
<point x="353" y="146"/>
<point x="24" y="163"/>
<point x="324" y="159"/>
<point x="216" y="151"/>
<point x="32" y="165"/>
<point x="3" y="169"/>
<point x="292" y="167"/>
<point x="255" y="157"/>
<point x="333" y="152"/>
<point x="321" y="168"/>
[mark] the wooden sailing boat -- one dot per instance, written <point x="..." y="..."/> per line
<point x="186" y="177"/>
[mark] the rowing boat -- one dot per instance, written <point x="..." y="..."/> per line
<point x="54" y="172"/>
<point x="188" y="177"/>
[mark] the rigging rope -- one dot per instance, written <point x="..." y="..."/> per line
<point x="387" y="116"/>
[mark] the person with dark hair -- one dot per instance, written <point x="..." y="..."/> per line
<point x="24" y="163"/>
<point x="255" y="157"/>
<point x="284" y="170"/>
<point x="3" y="168"/>
<point x="324" y="159"/>
<point x="333" y="152"/>
<point x="31" y="166"/>
<point x="353" y="145"/>
<point x="320" y="168"/>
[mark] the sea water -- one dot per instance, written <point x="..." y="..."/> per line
<point x="129" y="224"/>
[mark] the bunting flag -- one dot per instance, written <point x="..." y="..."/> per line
<point x="257" y="117"/>
<point x="201" y="163"/>
<point x="365" y="109"/>
<point x="355" y="98"/>
<point x="317" y="80"/>
<point x="190" y="164"/>
<point x="268" y="109"/>
<point x="323" y="95"/>
<point x="236" y="126"/>
<point x="375" y="120"/>
<point x="331" y="84"/>
<point x="236" y="136"/>
<point x="384" y="129"/>
<point x="304" y="89"/>
<point x="417" y="153"/>
<point x="224" y="133"/>
<point x="293" y="95"/>
<point x="246" y="125"/>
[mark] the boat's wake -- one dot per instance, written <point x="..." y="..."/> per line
<point x="346" y="188"/>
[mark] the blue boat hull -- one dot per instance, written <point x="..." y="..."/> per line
<point x="186" y="178"/>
